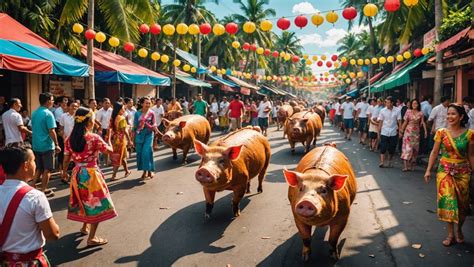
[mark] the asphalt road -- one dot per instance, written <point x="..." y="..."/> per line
<point x="161" y="222"/>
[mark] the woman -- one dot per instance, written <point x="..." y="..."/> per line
<point x="144" y="128"/>
<point x="120" y="139"/>
<point x="247" y="114"/>
<point x="214" y="110"/>
<point x="410" y="131"/>
<point x="89" y="200"/>
<point x="454" y="171"/>
<point x="254" y="113"/>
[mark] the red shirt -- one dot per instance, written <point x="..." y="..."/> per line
<point x="235" y="108"/>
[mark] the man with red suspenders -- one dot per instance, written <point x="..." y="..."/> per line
<point x="26" y="219"/>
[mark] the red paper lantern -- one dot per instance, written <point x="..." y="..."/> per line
<point x="297" y="79"/>
<point x="253" y="47"/>
<point x="295" y="59"/>
<point x="392" y="5"/>
<point x="205" y="28"/>
<point x="144" y="28"/>
<point x="321" y="79"/>
<point x="246" y="46"/>
<point x="276" y="54"/>
<point x="155" y="29"/>
<point x="320" y="63"/>
<point x="344" y="64"/>
<point x="326" y="79"/>
<point x="128" y="47"/>
<point x="417" y="52"/>
<point x="349" y="13"/>
<point x="89" y="34"/>
<point x="231" y="28"/>
<point x="334" y="57"/>
<point x="283" y="24"/>
<point x="305" y="79"/>
<point x="328" y="64"/>
<point x="301" y="21"/>
<point x="332" y="78"/>
<point x="267" y="52"/>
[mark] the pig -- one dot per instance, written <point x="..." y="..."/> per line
<point x="181" y="132"/>
<point x="321" y="191"/>
<point x="321" y="111"/>
<point x="230" y="162"/>
<point x="303" y="127"/>
<point x="284" y="112"/>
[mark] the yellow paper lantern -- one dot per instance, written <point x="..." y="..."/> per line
<point x="269" y="78"/>
<point x="249" y="27"/>
<point x="326" y="74"/>
<point x="100" y="37"/>
<point x="360" y="74"/>
<point x="77" y="28"/>
<point x="323" y="57"/>
<point x="425" y="50"/>
<point x="282" y="54"/>
<point x="317" y="19"/>
<point x="352" y="61"/>
<point x="309" y="62"/>
<point x="343" y="59"/>
<point x="168" y="29"/>
<point x="155" y="56"/>
<point x="287" y="57"/>
<point x="176" y="62"/>
<point x="193" y="29"/>
<point x="260" y="50"/>
<point x="390" y="59"/>
<point x="410" y="3"/>
<point x="235" y="44"/>
<point x="114" y="42"/>
<point x="344" y="76"/>
<point x="336" y="64"/>
<point x="370" y="10"/>
<point x="367" y="61"/>
<point x="186" y="68"/>
<point x="218" y="72"/>
<point x="352" y="75"/>
<point x="360" y="62"/>
<point x="213" y="68"/>
<point x="382" y="60"/>
<point x="193" y="70"/>
<point x="332" y="17"/>
<point x="305" y="56"/>
<point x="142" y="52"/>
<point x="348" y="81"/>
<point x="407" y="55"/>
<point x="374" y="60"/>
<point x="223" y="71"/>
<point x="218" y="29"/>
<point x="399" y="58"/>
<point x="266" y="25"/>
<point x="165" y="59"/>
<point x="315" y="58"/>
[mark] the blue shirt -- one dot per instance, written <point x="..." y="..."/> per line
<point x="42" y="120"/>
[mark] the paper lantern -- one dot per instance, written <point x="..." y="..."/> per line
<point x="128" y="47"/>
<point x="305" y="56"/>
<point x="283" y="24"/>
<point x="334" y="57"/>
<point x="205" y="28"/>
<point x="336" y="64"/>
<point x="249" y="27"/>
<point x="390" y="59"/>
<point x="155" y="56"/>
<point x="182" y="29"/>
<point x="155" y="29"/>
<point x="267" y="52"/>
<point x="295" y="59"/>
<point x="407" y="55"/>
<point x="317" y="19"/>
<point x="343" y="59"/>
<point x="176" y="62"/>
<point x="142" y="52"/>
<point x="410" y="3"/>
<point x="309" y="62"/>
<point x="370" y="10"/>
<point x="417" y="52"/>
<point x="246" y="46"/>
<point x="282" y="54"/>
<point x="323" y="57"/>
<point x="235" y="44"/>
<point x="315" y="58"/>
<point x="114" y="42"/>
<point x="218" y="71"/>
<point x="382" y="60"/>
<point x="260" y="50"/>
<point x="374" y="60"/>
<point x="144" y="28"/>
<point x="352" y="61"/>
<point x="275" y="54"/>
<point x="320" y="63"/>
<point x="344" y="76"/>
<point x="266" y="25"/>
<point x="193" y="70"/>
<point x="301" y="21"/>
<point x="360" y="62"/>
<point x="193" y="29"/>
<point x="165" y="59"/>
<point x="344" y="64"/>
<point x="332" y="17"/>
<point x="253" y="47"/>
<point x="169" y="29"/>
<point x="100" y="37"/>
<point x="348" y="81"/>
<point x="287" y="57"/>
<point x="77" y="28"/>
<point x="328" y="64"/>
<point x="425" y="50"/>
<point x="399" y="58"/>
<point x="269" y="78"/>
<point x="89" y="34"/>
<point x="360" y="74"/>
<point x="349" y="13"/>
<point x="212" y="68"/>
<point x="367" y="61"/>
<point x="391" y="5"/>
<point x="218" y="29"/>
<point x="231" y="28"/>
<point x="186" y="68"/>
<point x="352" y="75"/>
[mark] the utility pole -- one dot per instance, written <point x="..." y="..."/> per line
<point x="439" y="70"/>
<point x="90" y="52"/>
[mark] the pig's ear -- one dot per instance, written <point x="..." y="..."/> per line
<point x="200" y="147"/>
<point x="233" y="152"/>
<point x="182" y="124"/>
<point x="292" y="177"/>
<point x="337" y="181"/>
<point x="304" y="120"/>
<point x="165" y="122"/>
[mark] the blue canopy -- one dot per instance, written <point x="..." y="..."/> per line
<point x="223" y="81"/>
<point x="192" y="59"/>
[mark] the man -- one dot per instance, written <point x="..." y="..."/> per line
<point x="200" y="106"/>
<point x="174" y="109"/>
<point x="13" y="124"/>
<point x="185" y="105"/>
<point x="130" y="111"/>
<point x="45" y="141"/>
<point x="438" y="115"/>
<point x="337" y="107"/>
<point x="62" y="101"/>
<point x="263" y="113"/>
<point x="66" y="121"/>
<point x="223" y="110"/>
<point x="31" y="221"/>
<point x="389" y="122"/>
<point x="159" y="112"/>
<point x="361" y="115"/>
<point x="471" y="112"/>
<point x="236" y="110"/>
<point x="103" y="116"/>
<point x="372" y="116"/>
<point x="348" y="110"/>
<point x="426" y="106"/>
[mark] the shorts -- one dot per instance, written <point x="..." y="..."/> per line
<point x="104" y="133"/>
<point x="338" y="119"/>
<point x="263" y="123"/>
<point x="373" y="135"/>
<point x="349" y="123"/>
<point x="362" y="125"/>
<point x="235" y="123"/>
<point x="388" y="143"/>
<point x="45" y="160"/>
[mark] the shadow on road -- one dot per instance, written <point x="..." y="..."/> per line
<point x="56" y="250"/>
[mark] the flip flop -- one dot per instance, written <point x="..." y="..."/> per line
<point x="127" y="174"/>
<point x="83" y="233"/>
<point x="66" y="182"/>
<point x="100" y="242"/>
<point x="448" y="241"/>
<point x="381" y="165"/>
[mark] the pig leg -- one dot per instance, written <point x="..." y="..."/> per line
<point x="185" y="154"/>
<point x="305" y="233"/>
<point x="262" y="173"/>
<point x="209" y="195"/>
<point x="248" y="187"/>
<point x="175" y="154"/>
<point x="292" y="145"/>
<point x="314" y="141"/>
<point x="239" y="193"/>
<point x="335" y="230"/>
<point x="308" y="144"/>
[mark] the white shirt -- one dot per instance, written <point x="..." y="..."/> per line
<point x="337" y="106"/>
<point x="438" y="115"/>
<point x="471" y="118"/>
<point x="363" y="106"/>
<point x="348" y="109"/>
<point x="130" y="115"/>
<point x="159" y="112"/>
<point x="67" y="122"/>
<point x="185" y="104"/>
<point x="103" y="117"/>
<point x="224" y="106"/>
<point x="11" y="121"/>
<point x="25" y="235"/>
<point x="261" y="109"/>
<point x="214" y="107"/>
<point x="390" y="120"/>
<point x="426" y="108"/>
<point x="58" y="113"/>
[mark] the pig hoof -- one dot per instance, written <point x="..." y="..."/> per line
<point x="293" y="151"/>
<point x="248" y="191"/>
<point x="207" y="216"/>
<point x="237" y="214"/>
<point x="334" y="254"/>
<point x="305" y="256"/>
<point x="260" y="189"/>
<point x="175" y="157"/>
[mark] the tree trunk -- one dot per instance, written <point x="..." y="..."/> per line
<point x="439" y="77"/>
<point x="372" y="44"/>
<point x="173" y="90"/>
<point x="90" y="52"/>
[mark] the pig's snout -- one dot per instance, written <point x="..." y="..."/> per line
<point x="296" y="130"/>
<point x="306" y="209"/>
<point x="203" y="175"/>
<point x="166" y="138"/>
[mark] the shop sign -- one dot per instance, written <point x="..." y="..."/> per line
<point x="213" y="60"/>
<point x="77" y="83"/>
<point x="429" y="38"/>
<point x="60" y="88"/>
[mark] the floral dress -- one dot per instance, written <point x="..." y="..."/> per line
<point x="453" y="175"/>
<point x="89" y="200"/>
<point x="143" y="128"/>
<point x="119" y="141"/>
<point x="411" y="137"/>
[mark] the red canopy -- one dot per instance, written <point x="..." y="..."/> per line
<point x="14" y="31"/>
<point x="453" y="40"/>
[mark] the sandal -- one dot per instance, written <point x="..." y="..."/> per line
<point x="448" y="241"/>
<point x="113" y="179"/>
<point x="381" y="165"/>
<point x="460" y="238"/>
<point x="66" y="182"/>
<point x="83" y="232"/>
<point x="99" y="242"/>
<point x="127" y="174"/>
<point x="405" y="169"/>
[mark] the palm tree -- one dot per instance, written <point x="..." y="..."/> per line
<point x="439" y="77"/>
<point x="289" y="43"/>
<point x="348" y="45"/>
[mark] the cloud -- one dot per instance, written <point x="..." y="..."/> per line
<point x="332" y="36"/>
<point x="358" y="29"/>
<point x="304" y="8"/>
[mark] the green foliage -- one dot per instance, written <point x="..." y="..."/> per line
<point x="456" y="21"/>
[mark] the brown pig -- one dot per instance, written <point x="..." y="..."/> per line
<point x="303" y="127"/>
<point x="284" y="112"/>
<point x="321" y="191"/>
<point x="321" y="111"/>
<point x="181" y="133"/>
<point x="230" y="162"/>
